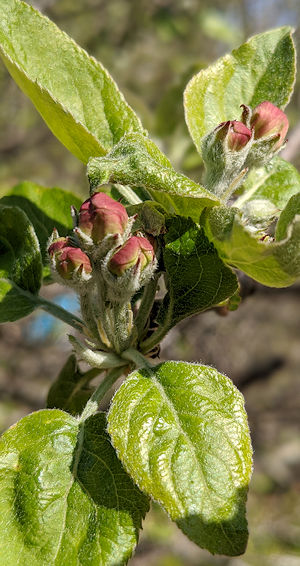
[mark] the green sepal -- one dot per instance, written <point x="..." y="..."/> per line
<point x="181" y="432"/>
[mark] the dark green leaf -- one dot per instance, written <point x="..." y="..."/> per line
<point x="73" y="92"/>
<point x="65" y="499"/>
<point x="20" y="264"/>
<point x="70" y="391"/>
<point x="46" y="209"/>
<point x="181" y="432"/>
<point x="197" y="278"/>
<point x="261" y="69"/>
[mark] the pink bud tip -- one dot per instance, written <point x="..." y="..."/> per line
<point x="268" y="120"/>
<point x="100" y="216"/>
<point x="58" y="245"/>
<point x="236" y="133"/>
<point x="69" y="259"/>
<point x="136" y="251"/>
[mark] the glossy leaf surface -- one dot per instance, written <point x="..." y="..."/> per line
<point x="261" y="69"/>
<point x="20" y="264"/>
<point x="181" y="432"/>
<point x="78" y="99"/>
<point x="65" y="500"/>
<point x="197" y="278"/>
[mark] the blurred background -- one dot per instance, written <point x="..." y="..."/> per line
<point x="152" y="49"/>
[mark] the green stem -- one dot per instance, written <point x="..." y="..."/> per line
<point x="155" y="338"/>
<point x="59" y="312"/>
<point x="128" y="194"/>
<point x="137" y="358"/>
<point x="146" y="304"/>
<point x="93" y="403"/>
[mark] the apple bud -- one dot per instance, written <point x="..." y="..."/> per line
<point x="137" y="251"/>
<point x="100" y="216"/>
<point x="237" y="135"/>
<point x="268" y="120"/>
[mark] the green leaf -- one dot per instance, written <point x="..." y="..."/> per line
<point x="70" y="391"/>
<point x="288" y="216"/>
<point x="273" y="263"/>
<point x="276" y="182"/>
<point x="197" y="278"/>
<point x="181" y="432"/>
<point x="14" y="302"/>
<point x="46" y="209"/>
<point x="65" y="499"/>
<point x="73" y="92"/>
<point x="20" y="264"/>
<point x="261" y="69"/>
<point x="137" y="161"/>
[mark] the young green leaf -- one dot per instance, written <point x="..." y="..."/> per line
<point x="273" y="263"/>
<point x="197" y="278"/>
<point x="73" y="92"/>
<point x="137" y="161"/>
<point x="181" y="432"/>
<point x="46" y="209"/>
<point x="71" y="391"/>
<point x="20" y="264"/>
<point x="261" y="69"/>
<point x="276" y="182"/>
<point x="65" y="498"/>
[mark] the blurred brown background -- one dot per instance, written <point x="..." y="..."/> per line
<point x="152" y="49"/>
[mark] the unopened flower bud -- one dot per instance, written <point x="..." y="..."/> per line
<point x="100" y="216"/>
<point x="137" y="251"/>
<point x="68" y="260"/>
<point x="237" y="135"/>
<point x="58" y="245"/>
<point x="268" y="120"/>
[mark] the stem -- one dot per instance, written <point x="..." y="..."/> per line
<point x="155" y="338"/>
<point x="128" y="194"/>
<point x="93" y="403"/>
<point x="146" y="304"/>
<point x="137" y="358"/>
<point x="59" y="312"/>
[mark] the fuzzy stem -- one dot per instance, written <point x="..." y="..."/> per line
<point x="137" y="358"/>
<point x="146" y="304"/>
<point x="93" y="403"/>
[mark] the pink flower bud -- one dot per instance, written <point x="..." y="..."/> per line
<point x="236" y="133"/>
<point x="70" y="260"/>
<point x="136" y="251"/>
<point x="100" y="215"/>
<point x="268" y="120"/>
<point x="58" y="245"/>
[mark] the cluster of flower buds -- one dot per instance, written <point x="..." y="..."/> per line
<point x="235" y="146"/>
<point x="102" y="247"/>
